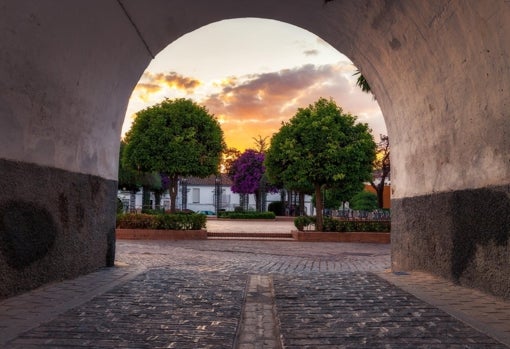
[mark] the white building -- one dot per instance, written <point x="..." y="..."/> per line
<point x="200" y="195"/>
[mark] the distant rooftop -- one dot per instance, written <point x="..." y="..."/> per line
<point x="210" y="181"/>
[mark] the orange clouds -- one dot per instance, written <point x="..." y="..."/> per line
<point x="174" y="80"/>
<point x="153" y="83"/>
<point x="257" y="104"/>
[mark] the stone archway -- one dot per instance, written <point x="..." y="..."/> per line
<point x="439" y="71"/>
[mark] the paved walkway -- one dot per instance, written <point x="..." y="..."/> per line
<point x="253" y="294"/>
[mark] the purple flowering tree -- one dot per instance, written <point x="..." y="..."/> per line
<point x="247" y="175"/>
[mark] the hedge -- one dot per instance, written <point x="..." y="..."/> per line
<point x="335" y="225"/>
<point x="247" y="215"/>
<point x="161" y="221"/>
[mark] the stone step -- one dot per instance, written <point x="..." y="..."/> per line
<point x="250" y="236"/>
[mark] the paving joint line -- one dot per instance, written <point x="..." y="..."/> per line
<point x="259" y="325"/>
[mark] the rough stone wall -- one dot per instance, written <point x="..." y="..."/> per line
<point x="461" y="235"/>
<point x="53" y="225"/>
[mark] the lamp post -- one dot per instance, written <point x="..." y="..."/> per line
<point x="217" y="189"/>
<point x="184" y="193"/>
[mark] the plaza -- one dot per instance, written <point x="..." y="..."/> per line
<point x="222" y="293"/>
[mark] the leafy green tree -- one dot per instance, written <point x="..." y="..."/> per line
<point x="335" y="197"/>
<point x="277" y="172"/>
<point x="178" y="138"/>
<point x="321" y="146"/>
<point x="363" y="200"/>
<point x="128" y="178"/>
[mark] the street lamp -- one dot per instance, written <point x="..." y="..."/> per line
<point x="217" y="189"/>
<point x="184" y="193"/>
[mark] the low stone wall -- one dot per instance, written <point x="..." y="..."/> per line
<point x="158" y="234"/>
<point x="314" y="236"/>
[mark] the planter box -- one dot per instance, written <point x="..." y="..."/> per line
<point x="315" y="236"/>
<point x="157" y="234"/>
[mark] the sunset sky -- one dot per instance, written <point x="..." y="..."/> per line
<point x="252" y="74"/>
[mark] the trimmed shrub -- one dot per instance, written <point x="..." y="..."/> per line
<point x="278" y="207"/>
<point x="247" y="215"/>
<point x="304" y="222"/>
<point x="135" y="221"/>
<point x="153" y="211"/>
<point x="335" y="225"/>
<point x="161" y="221"/>
<point x="120" y="206"/>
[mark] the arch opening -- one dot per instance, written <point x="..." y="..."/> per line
<point x="252" y="74"/>
<point x="435" y="68"/>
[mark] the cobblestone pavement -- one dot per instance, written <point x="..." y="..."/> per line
<point x="237" y="294"/>
<point x="256" y="256"/>
<point x="364" y="311"/>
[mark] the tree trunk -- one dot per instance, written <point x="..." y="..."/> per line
<point x="172" y="190"/>
<point x="380" y="195"/>
<point x="146" y="198"/>
<point x="157" y="199"/>
<point x="319" y="207"/>
<point x="289" y="203"/>
<point x="246" y="201"/>
<point x="301" y="203"/>
<point x="379" y="189"/>
<point x="132" y="201"/>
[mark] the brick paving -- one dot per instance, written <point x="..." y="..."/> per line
<point x="251" y="294"/>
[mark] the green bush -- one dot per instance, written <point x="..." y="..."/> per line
<point x="335" y="225"/>
<point x="247" y="215"/>
<point x="161" y="221"/>
<point x="135" y="221"/>
<point x="120" y="206"/>
<point x="153" y="211"/>
<point x="303" y="222"/>
<point x="278" y="207"/>
<point x="364" y="200"/>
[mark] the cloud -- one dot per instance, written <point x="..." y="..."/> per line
<point x="263" y="95"/>
<point x="145" y="90"/>
<point x="259" y="103"/>
<point x="311" y="52"/>
<point x="171" y="80"/>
